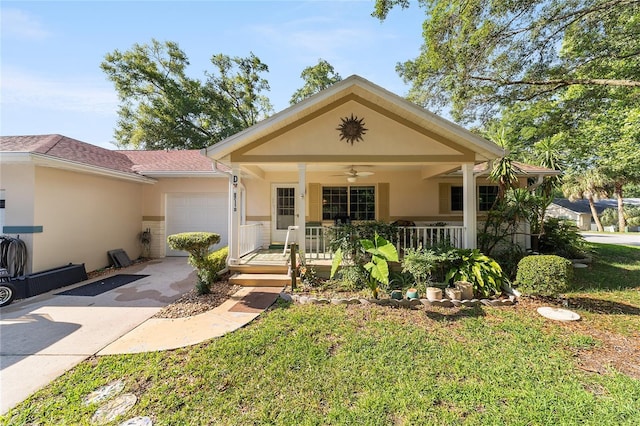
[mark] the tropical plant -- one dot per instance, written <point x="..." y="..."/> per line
<point x="420" y="263"/>
<point x="483" y="272"/>
<point x="590" y="184"/>
<point x="379" y="252"/>
<point x="562" y="238"/>
<point x="197" y="244"/>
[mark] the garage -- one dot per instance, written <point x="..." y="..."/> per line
<point x="194" y="212"/>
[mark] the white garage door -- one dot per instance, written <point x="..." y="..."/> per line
<point x="193" y="212"/>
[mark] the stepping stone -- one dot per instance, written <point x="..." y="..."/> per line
<point x="558" y="314"/>
<point x="114" y="408"/>
<point x="580" y="265"/>
<point x="104" y="392"/>
<point x="138" y="421"/>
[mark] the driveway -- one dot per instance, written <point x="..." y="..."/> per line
<point x="629" y="238"/>
<point x="44" y="336"/>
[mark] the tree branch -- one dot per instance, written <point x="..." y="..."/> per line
<point x="562" y="82"/>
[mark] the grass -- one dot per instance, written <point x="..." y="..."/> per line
<point x="311" y="365"/>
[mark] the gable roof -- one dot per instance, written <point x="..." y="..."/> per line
<point x="364" y="92"/>
<point x="65" y="152"/>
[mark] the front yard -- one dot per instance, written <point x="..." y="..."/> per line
<point x="372" y="365"/>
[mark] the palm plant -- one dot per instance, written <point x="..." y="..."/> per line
<point x="591" y="185"/>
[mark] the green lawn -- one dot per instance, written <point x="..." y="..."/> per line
<point x="310" y="365"/>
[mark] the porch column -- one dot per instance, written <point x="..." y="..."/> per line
<point x="470" y="217"/>
<point x="302" y="206"/>
<point x="234" y="215"/>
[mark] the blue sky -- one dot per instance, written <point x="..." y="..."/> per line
<point x="50" y="52"/>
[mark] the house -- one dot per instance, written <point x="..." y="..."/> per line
<point x="355" y="151"/>
<point x="579" y="211"/>
<point x="72" y="202"/>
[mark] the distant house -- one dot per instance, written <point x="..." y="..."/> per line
<point x="580" y="212"/>
<point x="71" y="201"/>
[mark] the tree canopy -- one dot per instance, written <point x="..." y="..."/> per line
<point x="316" y="78"/>
<point x="161" y="106"/>
<point x="479" y="56"/>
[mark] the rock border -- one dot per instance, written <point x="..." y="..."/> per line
<point x="401" y="303"/>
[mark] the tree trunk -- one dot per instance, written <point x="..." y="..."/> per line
<point x="594" y="213"/>
<point x="621" y="221"/>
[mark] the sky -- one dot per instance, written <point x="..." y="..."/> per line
<point x="50" y="51"/>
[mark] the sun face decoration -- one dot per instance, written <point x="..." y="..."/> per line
<point x="352" y="129"/>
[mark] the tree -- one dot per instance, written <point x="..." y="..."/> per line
<point x="161" y="107"/>
<point x="479" y="56"/>
<point x="591" y="185"/>
<point x="316" y="78"/>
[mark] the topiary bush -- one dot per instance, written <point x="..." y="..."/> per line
<point x="197" y="245"/>
<point x="544" y="275"/>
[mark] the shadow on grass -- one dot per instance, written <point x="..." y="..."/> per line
<point x="599" y="306"/>
<point x="455" y="314"/>
<point x="613" y="268"/>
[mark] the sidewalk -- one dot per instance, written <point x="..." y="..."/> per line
<point x="44" y="336"/>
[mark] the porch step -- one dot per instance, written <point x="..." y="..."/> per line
<point x="260" y="280"/>
<point x="260" y="269"/>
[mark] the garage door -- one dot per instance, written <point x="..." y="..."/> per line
<point x="197" y="212"/>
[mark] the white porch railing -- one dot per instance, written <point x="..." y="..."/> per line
<point x="425" y="236"/>
<point x="250" y="238"/>
<point x="318" y="237"/>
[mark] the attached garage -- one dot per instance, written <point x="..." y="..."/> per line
<point x="193" y="212"/>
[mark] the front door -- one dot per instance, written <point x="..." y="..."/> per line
<point x="283" y="212"/>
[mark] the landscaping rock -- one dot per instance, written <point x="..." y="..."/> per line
<point x="114" y="408"/>
<point x="138" y="421"/>
<point x="104" y="392"/>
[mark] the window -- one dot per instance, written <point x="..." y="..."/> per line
<point x="487" y="194"/>
<point x="353" y="202"/>
<point x="486" y="197"/>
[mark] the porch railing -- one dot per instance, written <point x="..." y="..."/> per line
<point x="318" y="237"/>
<point x="250" y="238"/>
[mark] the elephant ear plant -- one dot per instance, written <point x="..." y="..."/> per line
<point x="379" y="252"/>
<point x="483" y="272"/>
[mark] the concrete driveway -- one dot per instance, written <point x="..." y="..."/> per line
<point x="628" y="239"/>
<point x="44" y="336"/>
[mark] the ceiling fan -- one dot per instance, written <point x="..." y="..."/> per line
<point x="353" y="174"/>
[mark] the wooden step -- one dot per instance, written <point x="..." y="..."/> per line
<point x="260" y="280"/>
<point x="260" y="269"/>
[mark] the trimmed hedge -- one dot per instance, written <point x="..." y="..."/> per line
<point x="544" y="275"/>
<point x="197" y="245"/>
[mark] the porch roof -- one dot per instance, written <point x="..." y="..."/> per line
<point x="418" y="136"/>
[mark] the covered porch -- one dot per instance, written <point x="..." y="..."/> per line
<point x="353" y="153"/>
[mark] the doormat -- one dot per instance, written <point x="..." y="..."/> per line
<point x="256" y="301"/>
<point x="100" y="286"/>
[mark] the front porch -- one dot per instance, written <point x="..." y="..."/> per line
<point x="261" y="266"/>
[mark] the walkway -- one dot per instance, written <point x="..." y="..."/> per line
<point x="44" y="336"/>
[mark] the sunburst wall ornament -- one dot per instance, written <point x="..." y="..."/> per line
<point x="352" y="129"/>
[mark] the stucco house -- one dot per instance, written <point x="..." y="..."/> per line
<point x="355" y="151"/>
<point x="72" y="202"/>
<point x="579" y="211"/>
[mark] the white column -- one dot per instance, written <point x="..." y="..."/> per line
<point x="234" y="215"/>
<point x="469" y="206"/>
<point x="302" y="205"/>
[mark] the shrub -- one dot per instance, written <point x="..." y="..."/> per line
<point x="562" y="238"/>
<point x="214" y="263"/>
<point x="482" y="271"/>
<point x="197" y="245"/>
<point x="420" y="263"/>
<point x="544" y="275"/>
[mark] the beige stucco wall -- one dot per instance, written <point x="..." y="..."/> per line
<point x="84" y="216"/>
<point x="18" y="182"/>
<point x="154" y="204"/>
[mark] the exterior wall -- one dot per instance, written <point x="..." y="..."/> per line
<point x="84" y="216"/>
<point x="18" y="183"/>
<point x="154" y="204"/>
